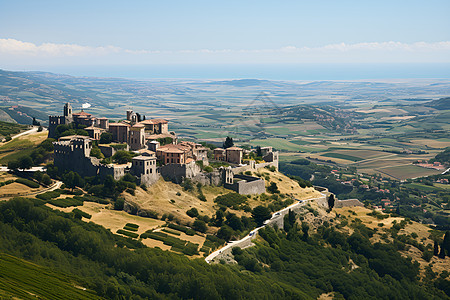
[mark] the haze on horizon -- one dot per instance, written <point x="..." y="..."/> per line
<point x="64" y="36"/>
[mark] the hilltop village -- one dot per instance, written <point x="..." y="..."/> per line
<point x="156" y="153"/>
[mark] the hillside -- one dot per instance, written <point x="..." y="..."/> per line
<point x="325" y="261"/>
<point x="25" y="280"/>
<point x="441" y="104"/>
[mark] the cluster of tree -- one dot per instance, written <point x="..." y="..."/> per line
<point x="70" y="129"/>
<point x="120" y="157"/>
<point x="37" y="156"/>
<point x="443" y="157"/>
<point x="7" y="129"/>
<point x="296" y="256"/>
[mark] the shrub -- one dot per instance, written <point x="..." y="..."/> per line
<point x="273" y="188"/>
<point x="48" y="195"/>
<point x="79" y="213"/>
<point x="27" y="182"/>
<point x="193" y="212"/>
<point x="127" y="233"/>
<point x="132" y="225"/>
<point x="233" y="200"/>
<point x="184" y="229"/>
<point x="208" y="169"/>
<point x="67" y="202"/>
<point x="200" y="226"/>
<point x="130" y="228"/>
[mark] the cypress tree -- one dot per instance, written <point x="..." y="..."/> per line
<point x="446" y="242"/>
<point x="436" y="248"/>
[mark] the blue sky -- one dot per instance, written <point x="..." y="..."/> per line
<point x="38" y="33"/>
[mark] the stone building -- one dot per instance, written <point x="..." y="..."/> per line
<point x="219" y="154"/>
<point x="234" y="155"/>
<point x="144" y="167"/>
<point x="136" y="138"/>
<point x="119" y="132"/>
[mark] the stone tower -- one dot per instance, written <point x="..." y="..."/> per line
<point x="137" y="137"/>
<point x="68" y="112"/>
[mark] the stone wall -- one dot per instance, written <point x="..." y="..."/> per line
<point x="247" y="185"/>
<point x="213" y="178"/>
<point x="176" y="172"/>
<point x="347" y="203"/>
<point x="148" y="179"/>
<point x="107" y="151"/>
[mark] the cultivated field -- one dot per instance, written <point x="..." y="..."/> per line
<point x="403" y="172"/>
<point x="112" y="219"/>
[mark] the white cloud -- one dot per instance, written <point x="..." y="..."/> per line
<point x="341" y="52"/>
<point x="15" y="47"/>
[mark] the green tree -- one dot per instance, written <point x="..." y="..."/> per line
<point x="225" y="232"/>
<point x="95" y="152"/>
<point x="106" y="138"/>
<point x="122" y="157"/>
<point x="305" y="230"/>
<point x="228" y="142"/>
<point x="109" y="185"/>
<point x="273" y="188"/>
<point x="446" y="242"/>
<point x="25" y="162"/>
<point x="46" y="179"/>
<point x="331" y="201"/>
<point x="260" y="214"/>
<point x="200" y="226"/>
<point x="436" y="248"/>
<point x="193" y="212"/>
<point x="72" y="180"/>
<point x="13" y="165"/>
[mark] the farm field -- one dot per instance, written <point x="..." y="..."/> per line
<point x="434" y="143"/>
<point x="112" y="219"/>
<point x="15" y="188"/>
<point x="284" y="145"/>
<point x="407" y="171"/>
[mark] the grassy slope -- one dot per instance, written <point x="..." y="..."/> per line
<point x="25" y="280"/>
<point x="21" y="146"/>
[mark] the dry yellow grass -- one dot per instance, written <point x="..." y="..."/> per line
<point x="112" y="219"/>
<point x="158" y="198"/>
<point x="288" y="186"/>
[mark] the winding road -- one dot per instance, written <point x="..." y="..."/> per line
<point x="277" y="217"/>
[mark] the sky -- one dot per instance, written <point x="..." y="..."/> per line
<point x="41" y="35"/>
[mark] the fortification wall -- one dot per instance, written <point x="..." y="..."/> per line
<point x="107" y="150"/>
<point x="176" y="172"/>
<point x="213" y="178"/>
<point x="348" y="203"/>
<point x="248" y="185"/>
<point x="148" y="179"/>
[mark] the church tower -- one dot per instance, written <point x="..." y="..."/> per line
<point x="68" y="113"/>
